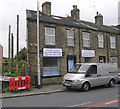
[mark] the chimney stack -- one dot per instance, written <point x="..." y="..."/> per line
<point x="75" y="13"/>
<point x="46" y="8"/>
<point x="99" y="19"/>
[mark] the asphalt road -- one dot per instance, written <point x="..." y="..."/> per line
<point x="96" y="97"/>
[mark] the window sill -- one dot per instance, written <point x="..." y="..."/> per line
<point x="101" y="48"/>
<point x="71" y="46"/>
<point x="49" y="46"/>
<point x="51" y="76"/>
<point x="113" y="48"/>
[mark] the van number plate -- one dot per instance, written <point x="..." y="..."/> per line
<point x="66" y="84"/>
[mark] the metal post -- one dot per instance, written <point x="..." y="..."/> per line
<point x="38" y="49"/>
<point x="9" y="47"/>
<point x="17" y="34"/>
<point x="9" y="42"/>
<point x="12" y="43"/>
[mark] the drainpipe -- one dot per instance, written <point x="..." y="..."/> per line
<point x="79" y="47"/>
<point x="107" y="48"/>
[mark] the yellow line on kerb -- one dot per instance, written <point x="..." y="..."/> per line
<point x="112" y="102"/>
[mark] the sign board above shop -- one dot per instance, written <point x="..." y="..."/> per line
<point x="88" y="53"/>
<point x="52" y="52"/>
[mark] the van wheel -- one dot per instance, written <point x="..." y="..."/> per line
<point x="85" y="87"/>
<point x="68" y="88"/>
<point x="112" y="83"/>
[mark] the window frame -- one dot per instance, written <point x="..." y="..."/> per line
<point x="86" y="39"/>
<point x="102" y="59"/>
<point x="50" y="36"/>
<point x="49" y="73"/>
<point x="100" y="40"/>
<point x="112" y="42"/>
<point x="113" y="57"/>
<point x="71" y="37"/>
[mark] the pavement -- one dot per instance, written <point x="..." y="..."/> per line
<point x="45" y="89"/>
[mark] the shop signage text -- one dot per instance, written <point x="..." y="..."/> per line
<point x="88" y="53"/>
<point x="52" y="52"/>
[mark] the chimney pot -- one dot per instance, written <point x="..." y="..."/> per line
<point x="74" y="6"/>
<point x="97" y="13"/>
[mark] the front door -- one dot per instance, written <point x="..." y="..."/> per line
<point x="70" y="62"/>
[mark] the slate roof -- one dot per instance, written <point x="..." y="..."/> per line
<point x="68" y="21"/>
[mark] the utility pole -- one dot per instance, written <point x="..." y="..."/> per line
<point x="38" y="48"/>
<point x="17" y="43"/>
<point x="11" y="57"/>
<point x="9" y="41"/>
<point x="17" y="35"/>
<point x="12" y="51"/>
<point x="9" y="47"/>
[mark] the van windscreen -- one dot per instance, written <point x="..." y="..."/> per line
<point x="75" y="68"/>
<point x="83" y="68"/>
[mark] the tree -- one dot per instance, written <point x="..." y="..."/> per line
<point x="18" y="67"/>
<point x="22" y="54"/>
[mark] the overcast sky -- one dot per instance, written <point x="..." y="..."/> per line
<point x="9" y="9"/>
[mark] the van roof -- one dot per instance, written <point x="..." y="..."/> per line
<point x="86" y="63"/>
<point x="96" y="63"/>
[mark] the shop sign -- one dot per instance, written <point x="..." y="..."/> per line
<point x="88" y="53"/>
<point x="4" y="78"/>
<point x="52" y="52"/>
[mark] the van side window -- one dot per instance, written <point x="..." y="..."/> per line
<point x="93" y="69"/>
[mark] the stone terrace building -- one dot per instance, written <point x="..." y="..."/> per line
<point x="65" y="41"/>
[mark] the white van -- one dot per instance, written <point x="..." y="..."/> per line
<point x="86" y="75"/>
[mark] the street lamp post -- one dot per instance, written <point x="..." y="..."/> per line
<point x="38" y="49"/>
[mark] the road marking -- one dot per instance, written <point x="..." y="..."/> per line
<point x="104" y="104"/>
<point x="111" y="102"/>
<point x="80" y="104"/>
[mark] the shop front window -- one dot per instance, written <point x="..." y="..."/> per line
<point x="50" y="67"/>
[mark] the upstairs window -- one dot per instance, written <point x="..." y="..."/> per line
<point x="100" y="41"/>
<point x="49" y="36"/>
<point x="70" y="38"/>
<point x="86" y="39"/>
<point x="113" y="42"/>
